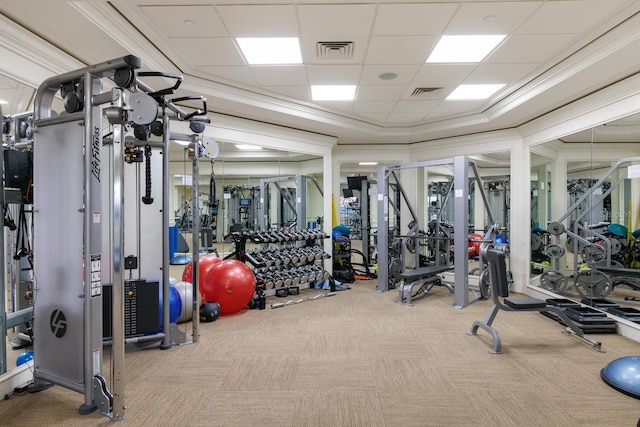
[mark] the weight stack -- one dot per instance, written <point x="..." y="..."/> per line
<point x="141" y="308"/>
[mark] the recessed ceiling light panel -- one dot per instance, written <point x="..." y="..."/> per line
<point x="333" y="92"/>
<point x="271" y="50"/>
<point x="474" y="92"/>
<point x="248" y="147"/>
<point x="464" y="48"/>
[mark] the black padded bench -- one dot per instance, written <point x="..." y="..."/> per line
<point x="425" y="278"/>
<point x="628" y="276"/>
<point x="500" y="288"/>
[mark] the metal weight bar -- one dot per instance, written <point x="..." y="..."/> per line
<point x="298" y="301"/>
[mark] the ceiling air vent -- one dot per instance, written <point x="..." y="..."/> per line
<point x="334" y="50"/>
<point x="421" y="91"/>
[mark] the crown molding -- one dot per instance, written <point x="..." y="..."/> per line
<point x="617" y="38"/>
<point x="28" y="59"/>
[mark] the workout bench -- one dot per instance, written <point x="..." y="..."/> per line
<point x="425" y="278"/>
<point x="500" y="288"/>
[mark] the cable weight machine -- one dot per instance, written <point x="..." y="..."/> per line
<point x="87" y="220"/>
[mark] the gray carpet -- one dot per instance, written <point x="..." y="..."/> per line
<point x="359" y="359"/>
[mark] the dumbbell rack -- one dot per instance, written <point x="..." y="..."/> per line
<point x="287" y="259"/>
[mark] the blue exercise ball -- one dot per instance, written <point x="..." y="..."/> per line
<point x="175" y="304"/>
<point x="335" y="234"/>
<point x="501" y="239"/>
<point x="623" y="374"/>
<point x="24" y="358"/>
<point x="343" y="229"/>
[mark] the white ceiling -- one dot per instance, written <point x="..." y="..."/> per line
<point x="556" y="51"/>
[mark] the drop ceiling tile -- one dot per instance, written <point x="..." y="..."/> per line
<point x="423" y="107"/>
<point x="430" y="75"/>
<point x="530" y="48"/>
<point x="208" y="51"/>
<point x="412" y="19"/>
<point x="570" y="16"/>
<point x="232" y="73"/>
<point x="400" y="50"/>
<point x="329" y="20"/>
<point x="279" y="75"/>
<point x="309" y="47"/>
<point x="379" y="93"/>
<point x="371" y="74"/>
<point x="374" y="117"/>
<point x="499" y="73"/>
<point x="260" y="20"/>
<point x="297" y="92"/>
<point x="334" y="74"/>
<point x="345" y="106"/>
<point x="404" y="118"/>
<point x="491" y="17"/>
<point x="175" y="21"/>
<point x="373" y="106"/>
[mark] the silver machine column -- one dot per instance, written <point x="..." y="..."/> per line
<point x="461" y="225"/>
<point x="68" y="223"/>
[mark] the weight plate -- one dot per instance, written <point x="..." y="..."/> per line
<point x="553" y="280"/>
<point x="592" y="284"/>
<point x="536" y="242"/>
<point x="410" y="244"/>
<point x="555" y="251"/>
<point x="396" y="245"/>
<point x="556" y="228"/>
<point x="616" y="246"/>
<point x="593" y="254"/>
<point x="484" y="284"/>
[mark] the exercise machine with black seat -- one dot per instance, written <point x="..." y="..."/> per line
<point x="500" y="289"/>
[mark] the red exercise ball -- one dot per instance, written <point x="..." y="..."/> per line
<point x="475" y="246"/>
<point x="205" y="262"/>
<point x="231" y="284"/>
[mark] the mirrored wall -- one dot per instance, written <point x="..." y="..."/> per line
<point x="585" y="217"/>
<point x="245" y="188"/>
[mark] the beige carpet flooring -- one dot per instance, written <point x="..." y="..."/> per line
<point x="359" y="359"/>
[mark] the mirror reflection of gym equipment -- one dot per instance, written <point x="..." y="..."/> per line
<point x="242" y="207"/>
<point x="290" y="202"/>
<point x="601" y="254"/>
<point x="357" y="214"/>
<point x="407" y="266"/>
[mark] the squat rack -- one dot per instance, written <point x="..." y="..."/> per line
<point x="461" y="167"/>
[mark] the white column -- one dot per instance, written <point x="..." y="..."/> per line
<point x="520" y="236"/>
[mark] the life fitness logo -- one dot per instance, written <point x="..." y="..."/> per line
<point x="58" y="323"/>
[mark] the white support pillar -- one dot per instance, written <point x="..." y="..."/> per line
<point x="520" y="237"/>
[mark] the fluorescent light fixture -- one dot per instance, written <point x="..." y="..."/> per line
<point x="464" y="48"/>
<point x="248" y="147"/>
<point x="368" y="163"/>
<point x="333" y="92"/>
<point x="2" y="101"/>
<point x="474" y="92"/>
<point x="271" y="50"/>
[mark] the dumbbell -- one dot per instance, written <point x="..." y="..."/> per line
<point x="310" y="256"/>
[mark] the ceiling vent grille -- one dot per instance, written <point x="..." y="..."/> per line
<point x="422" y="91"/>
<point x="334" y="50"/>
